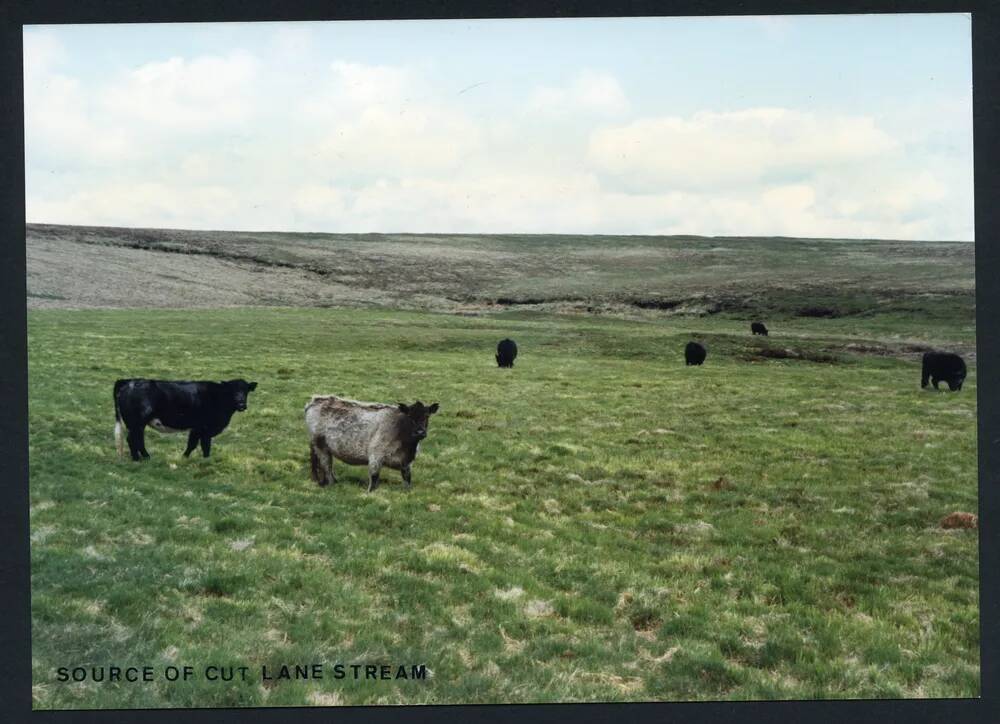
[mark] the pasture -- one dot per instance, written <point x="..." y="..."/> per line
<point x="600" y="523"/>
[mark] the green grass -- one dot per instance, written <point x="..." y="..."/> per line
<point x="600" y="523"/>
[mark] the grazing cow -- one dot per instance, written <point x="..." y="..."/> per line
<point x="364" y="433"/>
<point x="694" y="353"/>
<point x="758" y="328"/>
<point x="506" y="353"/>
<point x="204" y="408"/>
<point x="943" y="366"/>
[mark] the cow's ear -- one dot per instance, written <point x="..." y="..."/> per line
<point x="253" y="386"/>
<point x="405" y="409"/>
<point x="432" y="409"/>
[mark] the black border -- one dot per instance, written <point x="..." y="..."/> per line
<point x="15" y="654"/>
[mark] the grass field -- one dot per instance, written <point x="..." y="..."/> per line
<point x="600" y="523"/>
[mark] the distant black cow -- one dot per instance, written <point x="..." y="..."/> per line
<point x="204" y="408"/>
<point x="506" y="353"/>
<point x="943" y="367"/>
<point x="694" y="353"/>
<point x="758" y="328"/>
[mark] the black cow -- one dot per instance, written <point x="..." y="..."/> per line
<point x="694" y="353"/>
<point x="758" y="328"/>
<point x="943" y="367"/>
<point x="204" y="408"/>
<point x="506" y="353"/>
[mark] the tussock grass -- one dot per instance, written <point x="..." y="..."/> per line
<point x="600" y="523"/>
<point x="858" y="287"/>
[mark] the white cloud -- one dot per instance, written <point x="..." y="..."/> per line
<point x="887" y="196"/>
<point x="909" y="193"/>
<point x="187" y="95"/>
<point x="367" y="84"/>
<point x="383" y="121"/>
<point x="347" y="87"/>
<point x="518" y="202"/>
<point x="143" y="204"/>
<point x="42" y="51"/>
<point x="415" y="139"/>
<point x="789" y="199"/>
<point x="136" y="117"/>
<point x="293" y="42"/>
<point x="509" y="201"/>
<point x="716" y="150"/>
<point x="589" y="91"/>
<point x="316" y="202"/>
<point x="59" y="118"/>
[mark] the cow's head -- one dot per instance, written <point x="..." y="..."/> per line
<point x="238" y="391"/>
<point x="955" y="383"/>
<point x="418" y="416"/>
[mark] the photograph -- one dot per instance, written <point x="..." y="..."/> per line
<point x="501" y="361"/>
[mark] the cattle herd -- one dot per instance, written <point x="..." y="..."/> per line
<point x="356" y="433"/>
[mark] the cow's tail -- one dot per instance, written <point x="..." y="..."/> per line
<point x="119" y="441"/>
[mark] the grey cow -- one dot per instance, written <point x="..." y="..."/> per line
<point x="364" y="433"/>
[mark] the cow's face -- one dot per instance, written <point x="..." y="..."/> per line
<point x="239" y="389"/>
<point x="955" y="383"/>
<point x="419" y="416"/>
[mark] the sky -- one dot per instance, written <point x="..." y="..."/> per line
<point x="852" y="126"/>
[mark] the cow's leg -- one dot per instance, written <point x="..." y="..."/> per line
<point x="192" y="442"/>
<point x="374" y="466"/>
<point x="131" y="424"/>
<point x="321" y="461"/>
<point x="326" y="461"/>
<point x="314" y="469"/>
<point x="141" y="438"/>
<point x="133" y="451"/>
<point x="330" y="471"/>
<point x="135" y="443"/>
<point x="405" y="470"/>
<point x="206" y="445"/>
<point x="934" y="381"/>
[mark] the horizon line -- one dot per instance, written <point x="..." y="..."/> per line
<point x="507" y="233"/>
